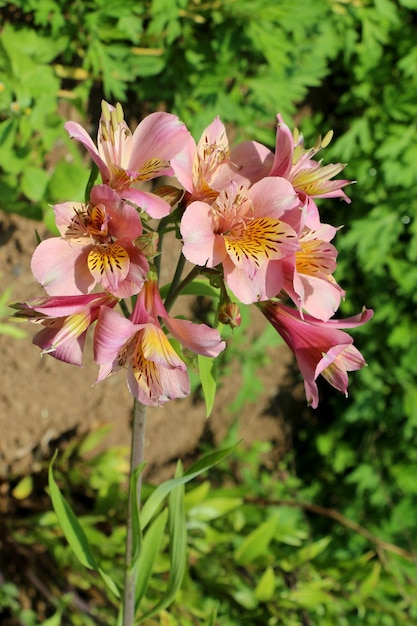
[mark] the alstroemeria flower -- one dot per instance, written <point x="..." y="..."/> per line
<point x="206" y="168"/>
<point x="66" y="320"/>
<point x="297" y="164"/>
<point x="155" y="372"/>
<point x="246" y="231"/>
<point x="319" y="347"/>
<point x="310" y="282"/>
<point x="292" y="161"/>
<point x="95" y="247"/>
<point x="125" y="158"/>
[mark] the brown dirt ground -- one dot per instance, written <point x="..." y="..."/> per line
<point x="42" y="399"/>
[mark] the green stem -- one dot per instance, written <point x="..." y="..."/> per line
<point x="136" y="459"/>
<point x="177" y="277"/>
<point x="175" y="290"/>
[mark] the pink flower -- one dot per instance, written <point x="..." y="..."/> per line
<point x="319" y="347"/>
<point x="206" y="168"/>
<point x="292" y="161"/>
<point x="247" y="231"/>
<point x="66" y="320"/>
<point x="125" y="158"/>
<point x="309" y="282"/>
<point x="95" y="247"/>
<point x="155" y="372"/>
<point x="309" y="177"/>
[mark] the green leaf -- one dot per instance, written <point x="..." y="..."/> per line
<point x="265" y="588"/>
<point x="74" y="532"/>
<point x="310" y="551"/>
<point x="197" y="287"/>
<point x="370" y="582"/>
<point x="150" y="547"/>
<point x="156" y="498"/>
<point x="91" y="181"/>
<point x="12" y="331"/>
<point x="33" y="182"/>
<point x="177" y="546"/>
<point x="70" y="525"/>
<point x="93" y="439"/>
<point x="256" y="543"/>
<point x="206" y="368"/>
<point x="309" y="596"/>
<point x="213" y="508"/>
<point x="150" y="65"/>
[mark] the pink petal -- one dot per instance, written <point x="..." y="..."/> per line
<point x="172" y="384"/>
<point x="138" y="269"/>
<point x="77" y="132"/>
<point x="155" y="206"/>
<point x="264" y="284"/>
<point x="198" y="338"/>
<point x="68" y="352"/>
<point x="252" y="160"/>
<point x="319" y="297"/>
<point x="284" y="148"/>
<point x="62" y="268"/>
<point x="159" y="135"/>
<point x="182" y="164"/>
<point x="63" y="306"/>
<point x="110" y="334"/>
<point x="273" y="196"/>
<point x="201" y="245"/>
<point x="65" y="214"/>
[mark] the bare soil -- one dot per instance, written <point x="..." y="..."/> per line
<point x="42" y="399"/>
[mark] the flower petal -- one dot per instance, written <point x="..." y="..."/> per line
<point x="62" y="268"/>
<point x="76" y="131"/>
<point x="198" y="338"/>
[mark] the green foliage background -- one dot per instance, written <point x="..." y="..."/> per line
<point x="350" y="65"/>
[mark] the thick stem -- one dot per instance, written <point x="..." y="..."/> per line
<point x="136" y="458"/>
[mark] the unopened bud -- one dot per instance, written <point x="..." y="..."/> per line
<point x="148" y="244"/>
<point x="229" y="313"/>
<point x="170" y="194"/>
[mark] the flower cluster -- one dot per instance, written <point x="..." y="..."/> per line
<point x="247" y="219"/>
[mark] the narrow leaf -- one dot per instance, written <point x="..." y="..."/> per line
<point x="177" y="547"/>
<point x="70" y="525"/>
<point x="266" y="586"/>
<point x="206" y="368"/>
<point x="150" y="547"/>
<point x="310" y="551"/>
<point x="156" y="498"/>
<point x="74" y="532"/>
<point x="256" y="543"/>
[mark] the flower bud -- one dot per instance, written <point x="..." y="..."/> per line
<point x="148" y="244"/>
<point x="229" y="313"/>
<point x="170" y="194"/>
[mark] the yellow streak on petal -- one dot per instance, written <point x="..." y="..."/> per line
<point x="97" y="216"/>
<point x="151" y="168"/>
<point x="157" y="348"/>
<point x="108" y="259"/>
<point x="315" y="257"/>
<point x="146" y="372"/>
<point x="258" y="241"/>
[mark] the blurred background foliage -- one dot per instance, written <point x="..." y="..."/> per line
<point x="346" y="65"/>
